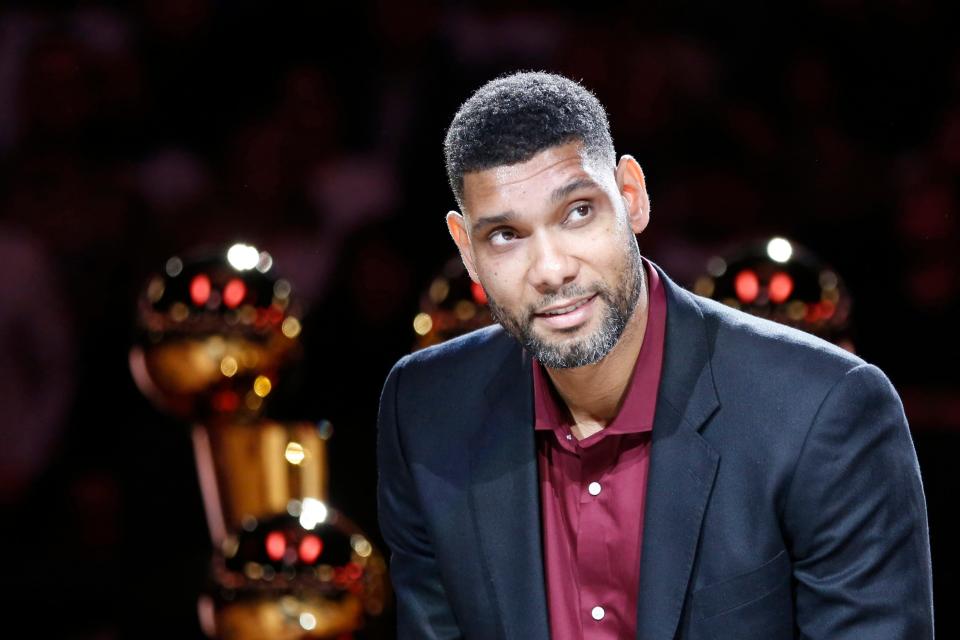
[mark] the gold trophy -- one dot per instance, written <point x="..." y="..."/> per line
<point x="216" y="331"/>
<point x="452" y="305"/>
<point x="781" y="280"/>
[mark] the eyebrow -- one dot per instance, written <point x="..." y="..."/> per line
<point x="559" y="194"/>
<point x="489" y="221"/>
<point x="580" y="183"/>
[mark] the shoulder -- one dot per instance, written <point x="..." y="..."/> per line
<point x="755" y="346"/>
<point x="771" y="379"/>
<point x="462" y="362"/>
<point x="435" y="397"/>
<point x="777" y="385"/>
<point x="469" y="347"/>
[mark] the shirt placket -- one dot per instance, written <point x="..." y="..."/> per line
<point x="598" y="620"/>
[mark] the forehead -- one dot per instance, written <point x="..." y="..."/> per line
<point x="536" y="178"/>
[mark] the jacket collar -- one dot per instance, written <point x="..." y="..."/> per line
<point x="505" y="497"/>
<point x="682" y="467"/>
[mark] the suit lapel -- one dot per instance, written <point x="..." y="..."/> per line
<point x="506" y="503"/>
<point x="682" y="468"/>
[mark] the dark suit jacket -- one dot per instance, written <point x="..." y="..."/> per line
<point x="784" y="496"/>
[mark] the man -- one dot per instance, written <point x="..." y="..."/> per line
<point x="620" y="458"/>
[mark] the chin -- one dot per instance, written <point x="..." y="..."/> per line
<point x="576" y="337"/>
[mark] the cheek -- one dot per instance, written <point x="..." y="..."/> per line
<point x="502" y="281"/>
<point x="606" y="246"/>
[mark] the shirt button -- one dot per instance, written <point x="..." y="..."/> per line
<point x="569" y="437"/>
<point x="594" y="489"/>
<point x="597" y="613"/>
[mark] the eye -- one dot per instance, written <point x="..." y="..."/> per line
<point x="579" y="213"/>
<point x="502" y="237"/>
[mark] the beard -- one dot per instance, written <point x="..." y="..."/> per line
<point x="620" y="301"/>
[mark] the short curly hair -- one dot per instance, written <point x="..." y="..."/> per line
<point x="514" y="117"/>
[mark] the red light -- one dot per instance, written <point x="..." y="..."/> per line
<point x="747" y="286"/>
<point x="353" y="571"/>
<point x="310" y="548"/>
<point x="276" y="544"/>
<point x="225" y="401"/>
<point x="479" y="295"/>
<point x="781" y="286"/>
<point x="234" y="293"/>
<point x="200" y="289"/>
<point x="827" y="309"/>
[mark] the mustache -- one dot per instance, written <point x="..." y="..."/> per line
<point x="565" y="293"/>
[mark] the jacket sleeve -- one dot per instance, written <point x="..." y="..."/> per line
<point x="855" y="519"/>
<point x="423" y="611"/>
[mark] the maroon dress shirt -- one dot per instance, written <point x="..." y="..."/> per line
<point x="592" y="497"/>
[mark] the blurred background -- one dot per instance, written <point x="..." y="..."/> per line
<point x="131" y="132"/>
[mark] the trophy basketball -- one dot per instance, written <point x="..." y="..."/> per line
<point x="216" y="331"/>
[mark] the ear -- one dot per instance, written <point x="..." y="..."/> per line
<point x="457" y="227"/>
<point x="633" y="190"/>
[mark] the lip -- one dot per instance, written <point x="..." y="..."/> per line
<point x="570" y="319"/>
<point x="563" y="304"/>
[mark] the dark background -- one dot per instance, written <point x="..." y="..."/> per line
<point x="131" y="132"/>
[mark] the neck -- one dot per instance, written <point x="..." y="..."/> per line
<point x="593" y="393"/>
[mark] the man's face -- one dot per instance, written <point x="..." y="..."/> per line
<point x="552" y="242"/>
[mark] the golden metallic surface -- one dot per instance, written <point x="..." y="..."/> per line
<point x="294" y="453"/>
<point x="452" y="305"/>
<point x="266" y="478"/>
<point x="155" y="289"/>
<point x="228" y="366"/>
<point x="253" y="401"/>
<point x="252" y="472"/>
<point x="183" y="375"/>
<point x="263" y="598"/>
<point x="796" y="310"/>
<point x="214" y="327"/>
<point x="289" y="618"/>
<point x="281" y="289"/>
<point x="704" y="286"/>
<point x="216" y="333"/>
<point x="262" y="386"/>
<point x="422" y="323"/>
<point x="439" y="289"/>
<point x="794" y="287"/>
<point x="361" y="546"/>
<point x="179" y="312"/>
<point x="464" y="310"/>
<point x="291" y="327"/>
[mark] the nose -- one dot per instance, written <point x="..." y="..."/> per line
<point x="552" y="266"/>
